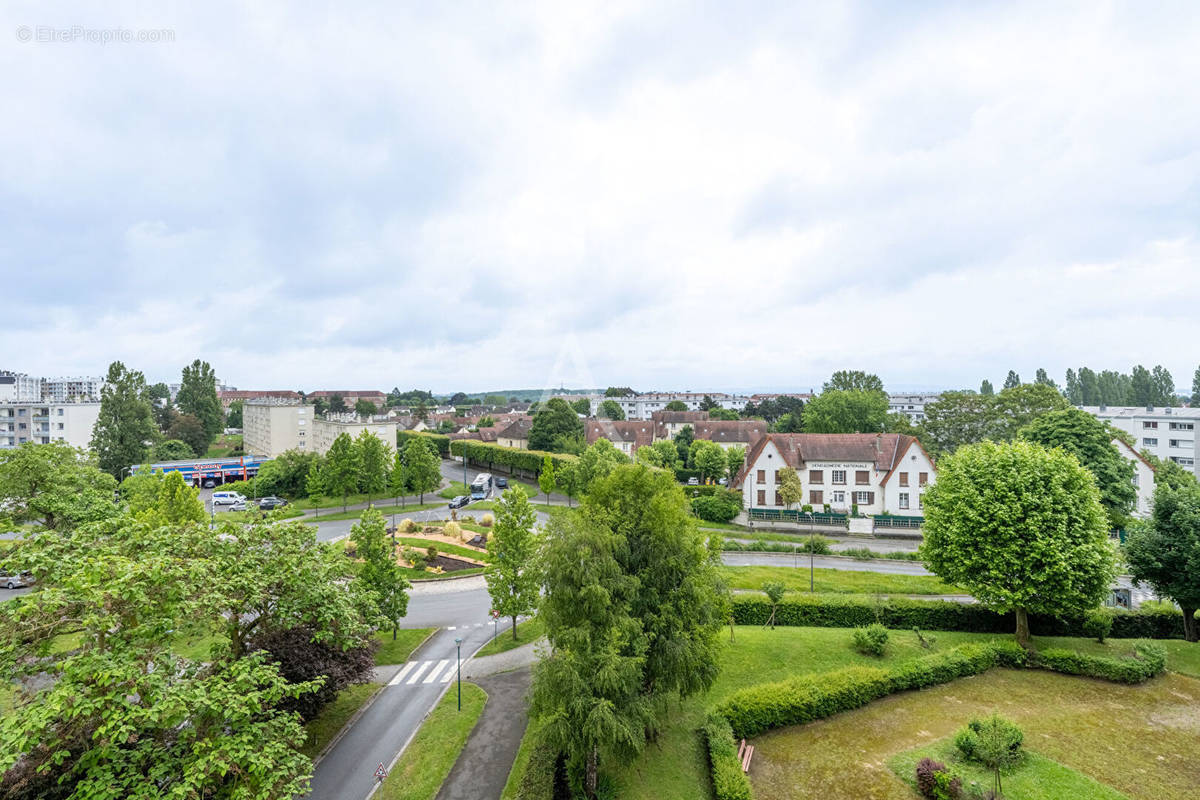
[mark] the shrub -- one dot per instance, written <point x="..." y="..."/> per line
<point x="818" y="545"/>
<point x="349" y="548"/>
<point x="408" y="526"/>
<point x="538" y="782"/>
<point x="871" y="640"/>
<point x="487" y="520"/>
<point x="1097" y="623"/>
<point x="453" y="530"/>
<point x="431" y="553"/>
<point x="414" y="557"/>
<point x="990" y="740"/>
<point x="717" y="506"/>
<point x="729" y="782"/>
<point x="926" y="769"/>
<point x="1149" y="659"/>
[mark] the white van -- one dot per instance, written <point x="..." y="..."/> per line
<point x="228" y="498"/>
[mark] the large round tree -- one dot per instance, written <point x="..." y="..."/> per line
<point x="1021" y="528"/>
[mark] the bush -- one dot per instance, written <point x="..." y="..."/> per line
<point x="871" y="640"/>
<point x="349" y="548"/>
<point x="935" y="782"/>
<point x="806" y="508"/>
<point x="729" y="782"/>
<point x="437" y="442"/>
<point x="1149" y="659"/>
<point x="997" y="734"/>
<point x="415" y="558"/>
<point x="538" y="781"/>
<point x="302" y="658"/>
<point x="408" y="526"/>
<point x="487" y="520"/>
<point x="818" y="545"/>
<point x="246" y="488"/>
<point x="453" y="530"/>
<point x="1097" y="624"/>
<point x="718" y="506"/>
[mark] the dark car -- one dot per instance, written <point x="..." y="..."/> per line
<point x="272" y="502"/>
<point x="502" y="483"/>
<point x="14" y="580"/>
<point x="460" y="501"/>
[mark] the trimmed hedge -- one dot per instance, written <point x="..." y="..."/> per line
<point x="493" y="454"/>
<point x="538" y="781"/>
<point x="849" y="611"/>
<point x="1149" y="660"/>
<point x="440" y="441"/>
<point x="729" y="782"/>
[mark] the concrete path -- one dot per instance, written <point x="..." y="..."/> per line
<point x="519" y="657"/>
<point x="483" y="766"/>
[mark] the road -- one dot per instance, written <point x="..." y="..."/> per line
<point x="889" y="566"/>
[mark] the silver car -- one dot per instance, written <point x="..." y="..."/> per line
<point x="15" y="580"/>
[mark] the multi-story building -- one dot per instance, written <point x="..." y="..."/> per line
<point x="325" y="430"/>
<point x="877" y="472"/>
<point x="641" y="406"/>
<point x="350" y="397"/>
<point x="912" y="405"/>
<point x="669" y="423"/>
<point x="65" y="390"/>
<point x="626" y="435"/>
<point x="272" y="425"/>
<point x="42" y="422"/>
<point x="17" y="387"/>
<point x="1143" y="479"/>
<point x="1164" y="432"/>
<point x="228" y="397"/>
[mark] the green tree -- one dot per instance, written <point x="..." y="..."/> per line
<point x="1195" y="399"/>
<point x="53" y="485"/>
<point x="234" y="418"/>
<point x="337" y="404"/>
<point x="789" y="489"/>
<point x="611" y="409"/>
<point x="1143" y="386"/>
<point x="1090" y="441"/>
<point x="373" y="463"/>
<point x="675" y="405"/>
<point x="986" y="389"/>
<point x="380" y="574"/>
<point x="598" y="460"/>
<point x="582" y="406"/>
<point x="668" y="453"/>
<point x="158" y="498"/>
<point x="1164" y="387"/>
<point x="365" y="408"/>
<point x="188" y="429"/>
<point x="198" y="397"/>
<point x="512" y="576"/>
<point x="898" y="422"/>
<point x="1017" y="407"/>
<point x="774" y="590"/>
<point x="788" y="423"/>
<point x="339" y="475"/>
<point x="619" y="391"/>
<point x="1074" y="390"/>
<point x="1019" y="527"/>
<point x="400" y="480"/>
<point x="421" y="411"/>
<point x="1042" y="379"/>
<point x="724" y="414"/>
<point x="569" y="480"/>
<point x="314" y="483"/>
<point x="546" y="478"/>
<point x="424" y="471"/>
<point x="158" y="393"/>
<point x="173" y="450"/>
<point x="1089" y="389"/>
<point x="1165" y="552"/>
<point x="683" y="444"/>
<point x="286" y="474"/>
<point x="735" y="458"/>
<point x="708" y="404"/>
<point x="853" y="380"/>
<point x="556" y="427"/>
<point x="1012" y="381"/>
<point x="846" y="411"/>
<point x="709" y="458"/>
<point x="125" y="427"/>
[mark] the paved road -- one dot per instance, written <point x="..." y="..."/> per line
<point x="889" y="566"/>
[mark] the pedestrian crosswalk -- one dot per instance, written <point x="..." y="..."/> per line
<point x="415" y="673"/>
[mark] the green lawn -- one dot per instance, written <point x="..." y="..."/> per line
<point x="397" y="651"/>
<point x="413" y="575"/>
<point x="253" y="514"/>
<point x="306" y="503"/>
<point x="841" y="581"/>
<point x="333" y="716"/>
<point x="528" y="631"/>
<point x="224" y="445"/>
<point x="386" y="510"/>
<point x="455" y="489"/>
<point x="1181" y="656"/>
<point x="427" y="760"/>
<point x="442" y="547"/>
<point x="1035" y="778"/>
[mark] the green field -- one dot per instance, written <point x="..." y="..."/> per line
<point x="307" y="504"/>
<point x="426" y="762"/>
<point x="455" y="489"/>
<point x="224" y="445"/>
<point x="528" y="631"/>
<point x="388" y="512"/>
<point x="398" y="650"/>
<point x="444" y="548"/>
<point x="840" y="581"/>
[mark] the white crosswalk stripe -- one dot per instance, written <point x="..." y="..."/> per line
<point x="424" y="666"/>
<point x="448" y="676"/>
<point x="403" y="671"/>
<point x="433" y="673"/>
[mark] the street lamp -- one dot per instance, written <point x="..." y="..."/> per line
<point x="458" y="644"/>
<point x="812" y="535"/>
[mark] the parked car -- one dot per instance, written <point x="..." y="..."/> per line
<point x="272" y="502"/>
<point x="240" y="505"/>
<point x="208" y="483"/>
<point x="502" y="483"/>
<point x="15" y="580"/>
<point x="228" y="498"/>
<point x="460" y="501"/>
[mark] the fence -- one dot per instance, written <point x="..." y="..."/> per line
<point x="798" y="517"/>
<point x="889" y="521"/>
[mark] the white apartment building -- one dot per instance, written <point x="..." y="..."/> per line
<point x="63" y="390"/>
<point x="41" y="423"/>
<point x="326" y="430"/>
<point x="641" y="406"/>
<point x="1165" y="432"/>
<point x="912" y="405"/>
<point x="878" y="472"/>
<point x="1143" y="479"/>
<point x="272" y="425"/>
<point x="17" y="387"/>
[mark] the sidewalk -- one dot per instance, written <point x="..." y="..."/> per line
<point x="519" y="657"/>
<point x="483" y="765"/>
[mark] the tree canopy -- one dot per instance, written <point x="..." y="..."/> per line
<point x="198" y="397"/>
<point x="556" y="428"/>
<point x="53" y="485"/>
<point x="1165" y="551"/>
<point x="611" y="409"/>
<point x="513" y="575"/>
<point x="846" y="411"/>
<point x="853" y="380"/>
<point x="125" y="427"/>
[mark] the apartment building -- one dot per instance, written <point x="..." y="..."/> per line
<point x="271" y="426"/>
<point x="1165" y="432"/>
<point x="878" y="472"/>
<point x="642" y="406"/>
<point x="19" y="387"/>
<point x="230" y="396"/>
<point x="912" y="405"/>
<point x="351" y="396"/>
<point x="42" y="422"/>
<point x="325" y="430"/>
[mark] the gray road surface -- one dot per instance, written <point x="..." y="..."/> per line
<point x="744" y="559"/>
<point x="483" y="766"/>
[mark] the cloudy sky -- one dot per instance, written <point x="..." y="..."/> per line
<point x="688" y="196"/>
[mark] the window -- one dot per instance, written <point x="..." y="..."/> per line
<point x="816" y="476"/>
<point x="1150" y="442"/>
<point x="1183" y="462"/>
<point x="839" y="498"/>
<point x="778" y="499"/>
<point x="776" y="478"/>
<point x="904" y="479"/>
<point x="922" y="478"/>
<point x="60" y="426"/>
<point x="762" y="496"/>
<point x="1182" y="443"/>
<point x="862" y="477"/>
<point x="864" y="498"/>
<point x="1182" y="426"/>
<point x="762" y="478"/>
<point x="816" y="498"/>
<point x="919" y="503"/>
<point x="904" y="499"/>
<point x="1150" y="425"/>
<point x="60" y="413"/>
<point x="839" y="477"/>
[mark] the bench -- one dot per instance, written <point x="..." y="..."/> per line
<point x="745" y="753"/>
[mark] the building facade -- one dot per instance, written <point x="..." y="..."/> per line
<point x="516" y="434"/>
<point x="351" y="396"/>
<point x="912" y="405"/>
<point x="19" y="387"/>
<point x="230" y="396"/>
<point x="271" y="426"/>
<point x="877" y="472"/>
<point x="326" y="430"/>
<point x="41" y="423"/>
<point x="1143" y="479"/>
<point x="642" y="406"/>
<point x="1165" y="432"/>
<point x="626" y="435"/>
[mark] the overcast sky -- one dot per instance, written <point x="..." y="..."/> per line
<point x="667" y="196"/>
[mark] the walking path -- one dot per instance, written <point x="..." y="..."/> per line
<point x="483" y="765"/>
<point x="519" y="657"/>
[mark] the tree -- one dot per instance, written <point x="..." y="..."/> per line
<point x="1164" y="387"/>
<point x="512" y="576"/>
<point x="380" y="574"/>
<point x="314" y="483"/>
<point x="675" y="405"/>
<point x="788" y="423"/>
<point x="583" y="406"/>
<point x="339" y="475"/>
<point x="1042" y="379"/>
<point x="986" y="388"/>
<point x="286" y="474"/>
<point x="569" y="481"/>
<point x="1074" y="391"/>
<point x="1012" y="381"/>
<point x="188" y="429"/>
<point x="1090" y="441"/>
<point x="1195" y="400"/>
<point x="846" y="411"/>
<point x="724" y="414"/>
<point x="709" y="458"/>
<point x="1019" y="527"/>
<point x="619" y="391"/>
<point x="1089" y="389"/>
<point x="158" y="393"/>
<point x="53" y="485"/>
<point x="683" y="444"/>
<point x="735" y="458"/>
<point x="424" y="471"/>
<point x="458" y="398"/>
<point x="790" y="489"/>
<point x="898" y="422"/>
<point x="234" y="418"/>
<point x="125" y="427"/>
<point x="611" y="409"/>
<point x="1143" y="386"/>
<point x="1017" y="407"/>
<point x="365" y="408"/>
<point x="1165" y="551"/>
<point x="320" y="406"/>
<point x="708" y="404"/>
<point x="421" y="412"/>
<point x="597" y="461"/>
<point x="556" y="427"/>
<point x="774" y="590"/>
<point x="372" y="463"/>
<point x="198" y="397"/>
<point x="173" y="450"/>
<point x="158" y="498"/>
<point x="400" y="479"/>
<point x="853" y="380"/>
<point x="546" y="478"/>
<point x="337" y="404"/>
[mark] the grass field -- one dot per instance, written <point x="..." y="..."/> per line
<point x="306" y="503"/>
<point x="840" y="581"/>
<point x="333" y="716"/>
<point x="397" y="651"/>
<point x="455" y="489"/>
<point x="426" y="762"/>
<point x="520" y="763"/>
<point x="253" y="514"/>
<point x="528" y="631"/>
<point x="224" y="445"/>
<point x="386" y="510"/>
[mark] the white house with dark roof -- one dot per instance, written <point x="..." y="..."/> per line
<point x="878" y="472"/>
<point x="1143" y="479"/>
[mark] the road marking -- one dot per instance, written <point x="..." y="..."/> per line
<point x="433" y="673"/>
<point x="424" y="666"/>
<point x="403" y="671"/>
<point x="451" y="628"/>
<point x="448" y="676"/>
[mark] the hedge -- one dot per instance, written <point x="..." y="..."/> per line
<point x="807" y="698"/>
<point x="850" y="611"/>
<point x="440" y="441"/>
<point x="682" y="475"/>
<point x="538" y="781"/>
<point x="729" y="782"/>
<point x="493" y="454"/>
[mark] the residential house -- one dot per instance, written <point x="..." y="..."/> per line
<point x="731" y="433"/>
<point x="627" y="435"/>
<point x="1143" y="479"/>
<point x="669" y="423"/>
<point x="516" y="434"/>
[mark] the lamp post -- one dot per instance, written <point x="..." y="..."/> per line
<point x="812" y="531"/>
<point x="458" y="644"/>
